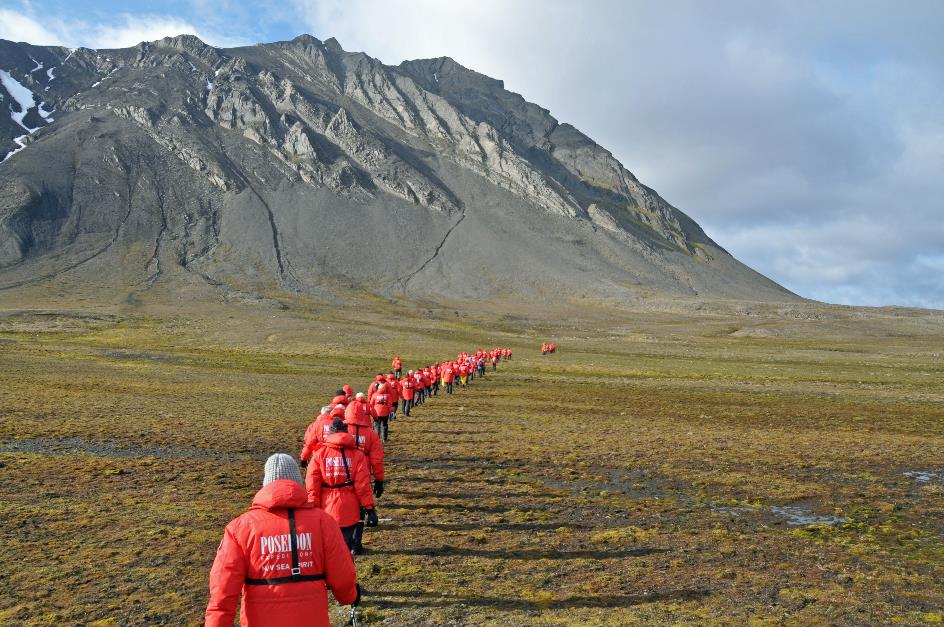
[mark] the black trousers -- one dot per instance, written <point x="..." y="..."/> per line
<point x="383" y="427"/>
<point x="353" y="536"/>
<point x="406" y="406"/>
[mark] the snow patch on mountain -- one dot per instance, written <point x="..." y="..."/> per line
<point x="21" y="142"/>
<point x="26" y="100"/>
<point x="22" y="95"/>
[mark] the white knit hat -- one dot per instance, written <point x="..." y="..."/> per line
<point x="281" y="466"/>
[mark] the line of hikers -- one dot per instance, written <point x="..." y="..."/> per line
<point x="548" y="348"/>
<point x="299" y="536"/>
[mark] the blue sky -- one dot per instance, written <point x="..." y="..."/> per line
<point x="806" y="137"/>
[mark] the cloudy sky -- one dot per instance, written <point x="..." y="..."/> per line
<point x="806" y="137"/>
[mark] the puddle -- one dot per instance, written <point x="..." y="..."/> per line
<point x="796" y="515"/>
<point x="925" y="476"/>
<point x="793" y="515"/>
<point x="732" y="510"/>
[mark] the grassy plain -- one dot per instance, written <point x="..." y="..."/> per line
<point x="655" y="470"/>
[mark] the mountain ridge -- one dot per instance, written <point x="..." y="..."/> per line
<point x="289" y="147"/>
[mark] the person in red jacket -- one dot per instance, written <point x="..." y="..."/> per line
<point x="358" y="409"/>
<point x="424" y="383"/>
<point x="317" y="432"/>
<point x="281" y="555"/>
<point x="338" y="481"/>
<point x="448" y="376"/>
<point x="407" y="389"/>
<point x="393" y="395"/>
<point x="378" y="380"/>
<point x="397" y="366"/>
<point x="380" y="410"/>
<point x="435" y="374"/>
<point x="495" y="361"/>
<point x="420" y="388"/>
<point x="367" y="440"/>
<point x="313" y="429"/>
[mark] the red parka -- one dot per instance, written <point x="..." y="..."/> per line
<point x="338" y="479"/>
<point x="256" y="546"/>
<point x="407" y="388"/>
<point x="448" y="374"/>
<point x="366" y="439"/>
<point x="309" y="442"/>
<point x="380" y="405"/>
<point x="358" y="411"/>
<point x="316" y="432"/>
<point x="393" y="392"/>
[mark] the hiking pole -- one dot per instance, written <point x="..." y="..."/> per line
<point x="354" y="616"/>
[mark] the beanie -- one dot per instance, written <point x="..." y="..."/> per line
<point x="281" y="466"/>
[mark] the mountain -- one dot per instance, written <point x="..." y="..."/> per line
<point x="299" y="166"/>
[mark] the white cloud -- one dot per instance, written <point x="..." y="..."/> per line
<point x="16" y="26"/>
<point x="124" y="31"/>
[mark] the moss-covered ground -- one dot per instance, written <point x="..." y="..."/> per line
<point x="660" y="468"/>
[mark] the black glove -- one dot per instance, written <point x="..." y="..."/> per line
<point x="372" y="517"/>
<point x="303" y="463"/>
<point x="378" y="488"/>
<point x="357" y="601"/>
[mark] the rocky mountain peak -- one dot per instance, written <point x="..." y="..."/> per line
<point x="237" y="164"/>
<point x="333" y="45"/>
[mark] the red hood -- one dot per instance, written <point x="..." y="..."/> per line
<point x="359" y="419"/>
<point x="281" y="493"/>
<point x="339" y="440"/>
